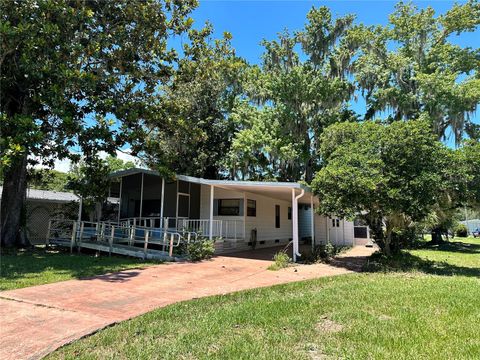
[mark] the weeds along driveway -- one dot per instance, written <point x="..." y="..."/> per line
<point x="37" y="320"/>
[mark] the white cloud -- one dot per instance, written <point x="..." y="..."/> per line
<point x="125" y="156"/>
<point x="64" y="165"/>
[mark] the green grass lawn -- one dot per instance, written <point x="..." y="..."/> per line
<point x="427" y="309"/>
<point x="41" y="266"/>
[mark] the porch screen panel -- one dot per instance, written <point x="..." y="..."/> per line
<point x="152" y="194"/>
<point x="170" y="200"/>
<point x="194" y="201"/>
<point x="131" y="188"/>
<point x="183" y="205"/>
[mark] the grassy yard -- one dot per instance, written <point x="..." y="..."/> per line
<point x="40" y="266"/>
<point x="423" y="305"/>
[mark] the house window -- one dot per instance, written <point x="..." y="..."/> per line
<point x="277" y="216"/>
<point x="251" y="207"/>
<point x="289" y="213"/>
<point x="335" y="222"/>
<point x="229" y="207"/>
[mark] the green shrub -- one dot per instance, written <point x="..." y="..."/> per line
<point x="200" y="250"/>
<point x="322" y="253"/>
<point x="461" y="230"/>
<point x="281" y="260"/>
<point x="406" y="238"/>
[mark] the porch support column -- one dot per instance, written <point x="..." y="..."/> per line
<point x="162" y="197"/>
<point x="312" y="218"/>
<point x="141" y="199"/>
<point x="80" y="208"/>
<point x="210" y="223"/>
<point x="120" y="200"/>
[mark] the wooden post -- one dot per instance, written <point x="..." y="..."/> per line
<point x="112" y="234"/>
<point x="170" y="250"/>
<point x="145" y="245"/>
<point x="164" y="240"/>
<point x="72" y="240"/>
<point x="132" y="235"/>
<point x="80" y="236"/>
<point x="97" y="226"/>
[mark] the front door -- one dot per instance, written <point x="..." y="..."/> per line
<point x="335" y="230"/>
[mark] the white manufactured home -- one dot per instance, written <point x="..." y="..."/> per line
<point x="240" y="215"/>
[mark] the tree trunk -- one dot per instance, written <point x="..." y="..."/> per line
<point x="309" y="171"/>
<point x="13" y="202"/>
<point x="387" y="250"/>
<point x="436" y="236"/>
<point x="98" y="210"/>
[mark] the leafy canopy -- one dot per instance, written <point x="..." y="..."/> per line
<point x="412" y="68"/>
<point x="291" y="98"/>
<point x="390" y="174"/>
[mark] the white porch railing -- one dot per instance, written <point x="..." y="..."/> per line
<point x="226" y="229"/>
<point x="150" y="222"/>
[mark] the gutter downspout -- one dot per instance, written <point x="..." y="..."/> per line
<point x="295" y="223"/>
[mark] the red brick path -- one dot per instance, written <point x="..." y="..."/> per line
<point x="37" y="320"/>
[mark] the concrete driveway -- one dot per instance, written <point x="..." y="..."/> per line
<point x="37" y="320"/>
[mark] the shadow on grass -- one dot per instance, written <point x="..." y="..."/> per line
<point x="455" y="247"/>
<point x="352" y="263"/>
<point x="40" y="265"/>
<point x="407" y="262"/>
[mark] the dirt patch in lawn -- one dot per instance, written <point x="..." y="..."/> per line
<point x="328" y="326"/>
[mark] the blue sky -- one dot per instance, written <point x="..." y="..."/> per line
<point x="252" y="21"/>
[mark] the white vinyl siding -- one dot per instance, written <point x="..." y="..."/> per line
<point x="320" y="229"/>
<point x="343" y="235"/>
<point x="264" y="222"/>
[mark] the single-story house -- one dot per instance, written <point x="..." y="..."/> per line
<point x="240" y="214"/>
<point x="44" y="205"/>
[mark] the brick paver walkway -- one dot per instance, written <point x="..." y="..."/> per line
<point x="37" y="320"/>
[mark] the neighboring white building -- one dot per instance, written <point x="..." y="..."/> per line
<point x="43" y="205"/>
<point x="471" y="225"/>
<point x="244" y="214"/>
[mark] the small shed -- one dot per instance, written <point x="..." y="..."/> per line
<point x="43" y="205"/>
